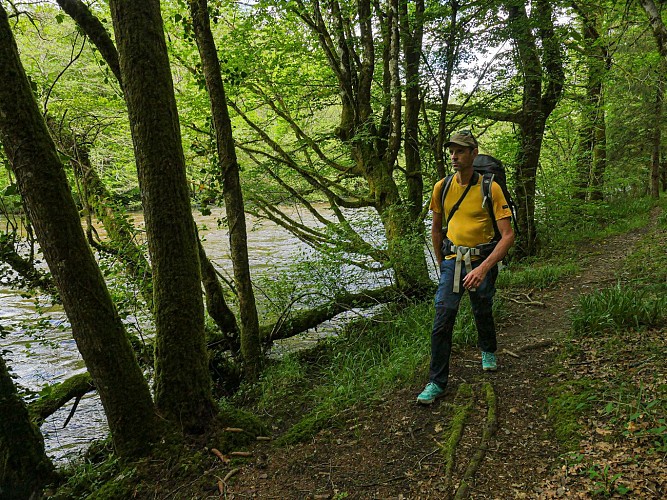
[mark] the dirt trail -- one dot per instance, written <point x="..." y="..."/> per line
<point x="394" y="450"/>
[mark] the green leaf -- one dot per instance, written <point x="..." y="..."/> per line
<point x="11" y="190"/>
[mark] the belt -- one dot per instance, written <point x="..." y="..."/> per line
<point x="463" y="254"/>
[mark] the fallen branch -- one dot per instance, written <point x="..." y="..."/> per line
<point x="58" y="395"/>
<point x="241" y="454"/>
<point x="510" y="353"/>
<point x="489" y="432"/>
<point x="219" y="454"/>
<point x="529" y="302"/>
<point x="229" y="475"/>
<point x="297" y="322"/>
<point x="536" y="345"/>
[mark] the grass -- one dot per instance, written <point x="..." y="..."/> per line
<point x="618" y="308"/>
<point x="538" y="277"/>
<point x="594" y="221"/>
<point x="370" y="358"/>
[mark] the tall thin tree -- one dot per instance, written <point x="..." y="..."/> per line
<point x="182" y="380"/>
<point x="231" y="185"/>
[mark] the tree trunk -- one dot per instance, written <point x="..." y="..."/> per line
<point x="95" y="30"/>
<point x="121" y="233"/>
<point x="536" y="107"/>
<point x="663" y="170"/>
<point x="657" y="131"/>
<point x="24" y="466"/>
<point x="216" y="305"/>
<point x="660" y="35"/>
<point x="231" y="183"/>
<point x="592" y="113"/>
<point x="412" y="35"/>
<point x="182" y="381"/>
<point x="96" y="326"/>
<point x="599" y="156"/>
<point x="450" y="63"/>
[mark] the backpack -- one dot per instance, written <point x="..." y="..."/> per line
<point x="491" y="169"/>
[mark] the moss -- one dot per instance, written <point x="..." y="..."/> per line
<point x="230" y="417"/>
<point x="567" y="402"/>
<point x="308" y="427"/>
<point x="462" y="403"/>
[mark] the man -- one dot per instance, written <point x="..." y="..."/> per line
<point x="468" y="258"/>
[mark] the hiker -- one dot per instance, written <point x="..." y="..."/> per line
<point x="467" y="255"/>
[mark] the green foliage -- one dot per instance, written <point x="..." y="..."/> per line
<point x="568" y="401"/>
<point x="371" y="357"/>
<point x="535" y="276"/>
<point x="618" y="308"/>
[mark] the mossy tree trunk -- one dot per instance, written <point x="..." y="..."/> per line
<point x="182" y="381"/>
<point x="373" y="133"/>
<point x="24" y="466"/>
<point x="231" y="185"/>
<point x="660" y="35"/>
<point x="215" y="299"/>
<point x="543" y="81"/>
<point x="96" y="326"/>
<point x="591" y="154"/>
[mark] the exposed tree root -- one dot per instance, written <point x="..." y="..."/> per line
<point x="448" y="448"/>
<point x="489" y="432"/>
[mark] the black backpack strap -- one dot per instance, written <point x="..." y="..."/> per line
<point x="445" y="188"/>
<point x="487" y="199"/>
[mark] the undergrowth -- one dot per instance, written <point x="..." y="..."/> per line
<point x="612" y="386"/>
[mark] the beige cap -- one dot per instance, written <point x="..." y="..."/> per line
<point x="462" y="138"/>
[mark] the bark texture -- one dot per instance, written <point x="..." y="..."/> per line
<point x="542" y="88"/>
<point x="660" y="35"/>
<point x="231" y="185"/>
<point x="182" y="380"/>
<point x="96" y="326"/>
<point x="24" y="466"/>
<point x="135" y="261"/>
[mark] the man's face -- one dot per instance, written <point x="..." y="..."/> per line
<point x="461" y="156"/>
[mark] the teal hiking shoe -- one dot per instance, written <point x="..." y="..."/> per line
<point x="431" y="392"/>
<point x="489" y="362"/>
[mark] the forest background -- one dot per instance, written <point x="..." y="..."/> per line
<point x="341" y="109"/>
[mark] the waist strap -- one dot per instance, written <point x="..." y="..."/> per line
<point x="463" y="254"/>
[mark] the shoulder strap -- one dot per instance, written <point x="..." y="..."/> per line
<point x="487" y="199"/>
<point x="445" y="188"/>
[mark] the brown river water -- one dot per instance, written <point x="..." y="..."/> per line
<point x="40" y="360"/>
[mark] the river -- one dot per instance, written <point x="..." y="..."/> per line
<point x="44" y="356"/>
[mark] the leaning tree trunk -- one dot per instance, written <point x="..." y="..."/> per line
<point x="216" y="305"/>
<point x="182" y="381"/>
<point x="231" y="184"/>
<point x="24" y="466"/>
<point x="96" y="326"/>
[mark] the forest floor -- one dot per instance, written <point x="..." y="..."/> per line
<point x="397" y="449"/>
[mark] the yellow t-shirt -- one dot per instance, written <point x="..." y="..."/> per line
<point x="471" y="224"/>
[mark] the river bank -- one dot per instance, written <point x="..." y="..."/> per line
<point x="358" y="432"/>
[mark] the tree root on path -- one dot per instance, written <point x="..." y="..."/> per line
<point x="463" y="402"/>
<point x="448" y="448"/>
